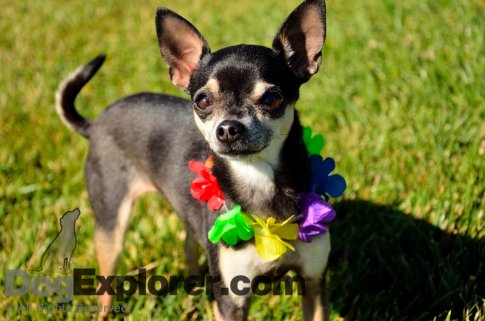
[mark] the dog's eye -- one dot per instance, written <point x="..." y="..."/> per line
<point x="272" y="99"/>
<point x="202" y="102"/>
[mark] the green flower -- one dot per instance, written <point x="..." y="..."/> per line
<point x="231" y="227"/>
<point x="314" y="144"/>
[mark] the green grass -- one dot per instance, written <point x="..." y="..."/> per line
<point x="400" y="98"/>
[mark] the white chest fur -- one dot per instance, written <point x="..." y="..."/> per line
<point x="255" y="177"/>
<point x="311" y="257"/>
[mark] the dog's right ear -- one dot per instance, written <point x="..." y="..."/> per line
<point x="181" y="45"/>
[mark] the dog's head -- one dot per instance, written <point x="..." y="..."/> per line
<point x="244" y="96"/>
<point x="69" y="218"/>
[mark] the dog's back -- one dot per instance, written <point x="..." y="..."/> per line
<point x="137" y="144"/>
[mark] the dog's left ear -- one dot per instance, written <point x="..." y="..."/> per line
<point x="301" y="38"/>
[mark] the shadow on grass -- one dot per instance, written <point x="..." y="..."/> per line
<point x="387" y="265"/>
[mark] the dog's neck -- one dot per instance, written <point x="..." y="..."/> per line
<point x="267" y="185"/>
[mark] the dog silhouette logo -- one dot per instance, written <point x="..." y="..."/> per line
<point x="58" y="254"/>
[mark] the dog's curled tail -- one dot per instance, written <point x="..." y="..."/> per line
<point x="67" y="92"/>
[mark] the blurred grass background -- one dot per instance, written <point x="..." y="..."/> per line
<point x="400" y="98"/>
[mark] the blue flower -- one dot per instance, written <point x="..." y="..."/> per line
<point x="322" y="182"/>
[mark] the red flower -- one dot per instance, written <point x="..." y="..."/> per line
<point x="205" y="188"/>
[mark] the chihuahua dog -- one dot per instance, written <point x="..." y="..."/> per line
<point x="243" y="103"/>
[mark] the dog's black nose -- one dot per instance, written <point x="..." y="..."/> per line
<point x="229" y="131"/>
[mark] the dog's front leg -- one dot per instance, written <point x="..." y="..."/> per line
<point x="191" y="249"/>
<point x="229" y="305"/>
<point x="315" y="301"/>
<point x="225" y="309"/>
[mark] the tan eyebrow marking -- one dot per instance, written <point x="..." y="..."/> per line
<point x="259" y="89"/>
<point x="213" y="87"/>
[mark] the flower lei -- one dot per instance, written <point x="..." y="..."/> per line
<point x="271" y="238"/>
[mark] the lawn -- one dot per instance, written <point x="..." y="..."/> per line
<point x="400" y="98"/>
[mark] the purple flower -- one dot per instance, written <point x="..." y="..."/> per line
<point x="316" y="214"/>
<point x="322" y="182"/>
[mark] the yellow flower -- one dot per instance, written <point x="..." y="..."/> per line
<point x="269" y="236"/>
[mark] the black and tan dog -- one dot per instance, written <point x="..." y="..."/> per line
<point x="243" y="102"/>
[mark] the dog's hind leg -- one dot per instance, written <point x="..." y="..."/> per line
<point x="109" y="243"/>
<point x="113" y="186"/>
